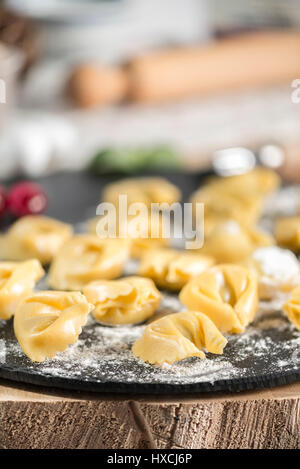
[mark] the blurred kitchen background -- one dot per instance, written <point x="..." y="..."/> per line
<point x="123" y="84"/>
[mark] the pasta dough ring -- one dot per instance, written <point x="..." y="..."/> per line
<point x="126" y="301"/>
<point x="179" y="336"/>
<point x="17" y="280"/>
<point x="292" y="308"/>
<point x="48" y="321"/>
<point x="145" y="190"/>
<point x="34" y="236"/>
<point x="173" y="269"/>
<point x="227" y="293"/>
<point x="85" y="258"/>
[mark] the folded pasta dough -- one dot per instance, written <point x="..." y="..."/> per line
<point x="221" y="205"/>
<point x="172" y="269"/>
<point x="230" y="242"/>
<point x="227" y="294"/>
<point x="17" y="280"/>
<point x="126" y="301"/>
<point x="292" y="308"/>
<point x="142" y="232"/>
<point x="179" y="336"/>
<point x="85" y="258"/>
<point x="287" y="232"/>
<point x="260" y="181"/>
<point x="34" y="236"/>
<point x="48" y="321"/>
<point x="145" y="190"/>
<point x="239" y="198"/>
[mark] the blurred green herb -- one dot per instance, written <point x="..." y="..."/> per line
<point x="135" y="159"/>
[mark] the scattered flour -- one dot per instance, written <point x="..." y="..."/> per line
<point x="2" y="351"/>
<point x="283" y="202"/>
<point x="103" y="354"/>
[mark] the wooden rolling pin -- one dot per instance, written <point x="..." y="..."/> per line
<point x="250" y="60"/>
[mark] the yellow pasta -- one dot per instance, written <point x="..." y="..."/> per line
<point x="17" y="281"/>
<point x="172" y="269"/>
<point x="227" y="294"/>
<point x="292" y="308"/>
<point x="230" y="242"/>
<point x="127" y="301"/>
<point x="145" y="190"/>
<point x="179" y="336"/>
<point x="85" y="258"/>
<point x="239" y="198"/>
<point x="143" y="233"/>
<point x="287" y="232"/>
<point x="260" y="181"/>
<point x="221" y="205"/>
<point x="48" y="321"/>
<point x="34" y="236"/>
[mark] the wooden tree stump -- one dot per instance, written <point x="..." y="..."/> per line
<point x="39" y="418"/>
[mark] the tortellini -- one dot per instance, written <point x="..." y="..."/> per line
<point x="237" y="197"/>
<point x="179" y="336"/>
<point x="46" y="322"/>
<point x="138" y="246"/>
<point x="145" y="190"/>
<point x="287" y="232"/>
<point x="152" y="238"/>
<point x="127" y="301"/>
<point x="278" y="271"/>
<point x="85" y="258"/>
<point x="292" y="308"/>
<point x="221" y="205"/>
<point x="227" y="293"/>
<point x="143" y="233"/>
<point x="172" y="269"/>
<point x="34" y="236"/>
<point x="260" y="181"/>
<point x="230" y="242"/>
<point x="17" y="280"/>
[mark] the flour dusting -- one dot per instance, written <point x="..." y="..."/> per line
<point x="103" y="354"/>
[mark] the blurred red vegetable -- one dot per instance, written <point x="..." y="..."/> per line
<point x="27" y="198"/>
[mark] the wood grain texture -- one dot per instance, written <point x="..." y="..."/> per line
<point x="38" y="418"/>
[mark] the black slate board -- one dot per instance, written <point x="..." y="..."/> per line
<point x="257" y="359"/>
<point x="267" y="355"/>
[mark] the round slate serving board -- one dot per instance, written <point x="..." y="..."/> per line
<point x="266" y="355"/>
